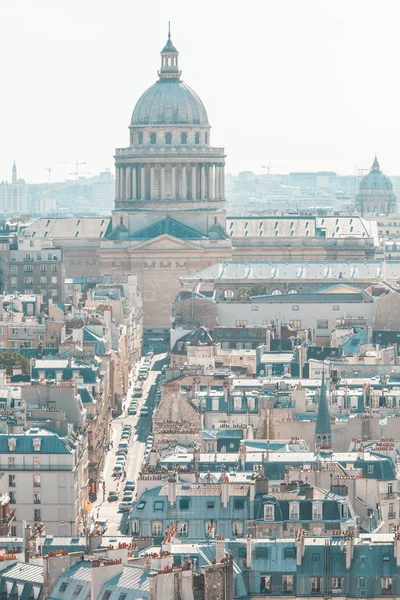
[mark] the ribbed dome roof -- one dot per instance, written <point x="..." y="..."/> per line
<point x="169" y="102"/>
<point x="375" y="180"/>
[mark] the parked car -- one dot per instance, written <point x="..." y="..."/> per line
<point x="132" y="410"/>
<point x="129" y="486"/>
<point x="125" y="506"/>
<point x="144" y="411"/>
<point x="127" y="497"/>
<point x="125" y="435"/>
<point x="112" y="496"/>
<point x="118" y="470"/>
<point x="121" y="459"/>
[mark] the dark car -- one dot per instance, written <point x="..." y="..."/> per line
<point x="112" y="496"/>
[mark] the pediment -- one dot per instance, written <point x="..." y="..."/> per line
<point x="166" y="242"/>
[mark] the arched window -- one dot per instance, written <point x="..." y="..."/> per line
<point x="206" y="138"/>
<point x="197" y="138"/>
<point x="168" y="138"/>
<point x="153" y="138"/>
<point x="292" y="291"/>
<point x="183" y="138"/>
<point x="140" y="138"/>
<point x="276" y="292"/>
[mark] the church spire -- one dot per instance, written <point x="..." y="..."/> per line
<point x="169" y="60"/>
<point x="14" y="173"/>
<point x="375" y="166"/>
<point x="323" y="431"/>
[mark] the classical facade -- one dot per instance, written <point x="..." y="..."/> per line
<point x="169" y="219"/>
<point x="376" y="196"/>
<point x="169" y="167"/>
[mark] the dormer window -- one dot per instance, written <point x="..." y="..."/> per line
<point x="153" y="138"/>
<point x="12" y="444"/>
<point x="294" y="511"/>
<point x="317" y="511"/>
<point x="36" y="444"/>
<point x="183" y="138"/>
<point x="269" y="512"/>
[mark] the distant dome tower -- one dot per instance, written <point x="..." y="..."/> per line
<point x="376" y="195"/>
<point x="169" y="168"/>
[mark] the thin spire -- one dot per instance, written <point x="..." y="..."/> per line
<point x="375" y="166"/>
<point x="169" y="30"/>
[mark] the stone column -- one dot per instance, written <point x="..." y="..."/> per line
<point x="162" y="183"/>
<point x="222" y="182"/>
<point x="134" y="184"/>
<point x="194" y="187"/>
<point x="122" y="183"/>
<point x="117" y="183"/>
<point x="173" y="182"/>
<point x="211" y="182"/>
<point x="142" y="183"/>
<point x="184" y="182"/>
<point x="217" y="182"/>
<point x="152" y="181"/>
<point x="203" y="190"/>
<point x="128" y="182"/>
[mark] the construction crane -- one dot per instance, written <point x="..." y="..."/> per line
<point x="48" y="169"/>
<point x="268" y="166"/>
<point x="77" y="163"/>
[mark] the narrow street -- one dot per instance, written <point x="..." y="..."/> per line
<point x="141" y="427"/>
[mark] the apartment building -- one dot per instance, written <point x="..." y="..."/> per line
<point x="46" y="478"/>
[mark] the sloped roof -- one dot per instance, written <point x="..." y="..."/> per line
<point x="86" y="228"/>
<point x="387" y="314"/>
<point x="194" y="338"/>
<point x="167" y="226"/>
<point x="323" y="424"/>
<point x="51" y="443"/>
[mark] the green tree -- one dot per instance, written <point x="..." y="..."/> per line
<point x="11" y="359"/>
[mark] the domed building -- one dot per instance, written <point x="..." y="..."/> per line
<point x="169" y="168"/>
<point x="376" y="193"/>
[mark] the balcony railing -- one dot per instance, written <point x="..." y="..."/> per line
<point x="392" y="515"/>
<point x="36" y="469"/>
<point x="10" y="517"/>
<point x="390" y="495"/>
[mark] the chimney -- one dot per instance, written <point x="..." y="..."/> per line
<point x="248" y="551"/>
<point x="252" y="491"/>
<point x="172" y="490"/>
<point x="153" y="458"/>
<point x="225" y="491"/>
<point x="349" y="551"/>
<point x="268" y="340"/>
<point x="360" y="452"/>
<point x="300" y="547"/>
<point x="242" y="455"/>
<point x="219" y="548"/>
<point x="396" y="544"/>
<point x="250" y="432"/>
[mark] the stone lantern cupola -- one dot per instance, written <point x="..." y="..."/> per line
<point x="169" y="60"/>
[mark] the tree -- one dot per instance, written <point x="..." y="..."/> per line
<point x="11" y="359"/>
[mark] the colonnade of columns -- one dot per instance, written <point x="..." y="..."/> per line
<point x="186" y="181"/>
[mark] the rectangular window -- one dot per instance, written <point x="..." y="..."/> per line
<point x="237" y="528"/>
<point x="37" y="514"/>
<point x="265" y="584"/>
<point x="13" y="498"/>
<point x="106" y="595"/>
<point x="294" y="511"/>
<point x="43" y="280"/>
<point x="13" y="269"/>
<point x="317" y="510"/>
<point x="262" y="553"/>
<point x="210" y="504"/>
<point x="36" y="497"/>
<point x="63" y="586"/>
<point x="158" y="505"/>
<point x="43" y="268"/>
<point x="335" y="307"/>
<point x="78" y="590"/>
<point x="156" y="528"/>
<point x="315" y="585"/>
<point x="268" y="512"/>
<point x="386" y="585"/>
<point x="287" y="584"/>
<point x="11" y="462"/>
<point x="391" y="513"/>
<point x="36" y="462"/>
<point x="316" y="557"/>
<point x="295" y="307"/>
<point x="370" y="469"/>
<point x="11" y="481"/>
<point x="184" y="503"/>
<point x="36" y="481"/>
<point x="361" y="583"/>
<point x="322" y="324"/>
<point x="54" y="268"/>
<point x="28" y="269"/>
<point x="238" y="503"/>
<point x="241" y="323"/>
<point x="54" y="280"/>
<point x="337" y="583"/>
<point x="289" y="552"/>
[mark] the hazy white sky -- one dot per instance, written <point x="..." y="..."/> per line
<point x="303" y="84"/>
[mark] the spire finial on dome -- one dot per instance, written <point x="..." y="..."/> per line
<point x="169" y="59"/>
<point x="375" y="166"/>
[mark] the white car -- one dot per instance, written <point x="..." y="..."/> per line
<point x="121" y="459"/>
<point x="125" y="506"/>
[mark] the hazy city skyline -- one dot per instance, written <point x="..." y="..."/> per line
<point x="303" y="86"/>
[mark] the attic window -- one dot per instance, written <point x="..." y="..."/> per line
<point x="36" y="444"/>
<point x="78" y="222"/>
<point x="262" y="553"/>
<point x="289" y="552"/>
<point x="77" y="233"/>
<point x="238" y="503"/>
<point x="63" y="586"/>
<point x="47" y="224"/>
<point x="102" y="222"/>
<point x="12" y="444"/>
<point x="184" y="503"/>
<point x="101" y="234"/>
